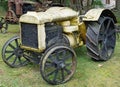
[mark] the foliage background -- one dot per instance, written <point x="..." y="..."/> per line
<point x="89" y="73"/>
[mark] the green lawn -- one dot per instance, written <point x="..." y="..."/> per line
<point x="88" y="73"/>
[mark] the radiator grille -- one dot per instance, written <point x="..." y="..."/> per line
<point x="29" y="35"/>
<point x="53" y="31"/>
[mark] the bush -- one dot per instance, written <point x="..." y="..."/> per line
<point x="97" y="3"/>
<point x="3" y="4"/>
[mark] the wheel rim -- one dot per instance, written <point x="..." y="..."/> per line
<point x="12" y="54"/>
<point x="58" y="66"/>
<point x="106" y="38"/>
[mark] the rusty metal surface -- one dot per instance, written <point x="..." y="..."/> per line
<point x="18" y="7"/>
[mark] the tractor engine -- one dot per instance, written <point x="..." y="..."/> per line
<point x="40" y="30"/>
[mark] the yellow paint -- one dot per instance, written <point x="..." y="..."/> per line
<point x="41" y="37"/>
<point x="70" y="29"/>
<point x="74" y="21"/>
<point x="93" y="14"/>
<point x="50" y="15"/>
<point x="65" y="23"/>
<point x="81" y="43"/>
<point x="71" y="39"/>
<point x="31" y="49"/>
<point x="83" y="30"/>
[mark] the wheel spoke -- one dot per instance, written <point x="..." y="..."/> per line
<point x="16" y="41"/>
<point x="10" y="56"/>
<point x="105" y="50"/>
<point x="20" y="61"/>
<point x="8" y="51"/>
<point x="61" y="54"/>
<point x="62" y="74"/>
<point x="11" y="46"/>
<point x="14" y="61"/>
<point x="53" y="58"/>
<point x="57" y="55"/>
<point x="55" y="75"/>
<point x="49" y="64"/>
<point x="68" y="71"/>
<point x="25" y="56"/>
<point x="68" y="64"/>
<point x="111" y="33"/>
<point x="108" y="26"/>
<point x="67" y="57"/>
<point x="25" y="62"/>
<point x="102" y="31"/>
<point x="64" y="52"/>
<point x="50" y="73"/>
<point x="111" y="43"/>
<point x="26" y="59"/>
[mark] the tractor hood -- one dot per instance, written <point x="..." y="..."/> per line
<point x="50" y="15"/>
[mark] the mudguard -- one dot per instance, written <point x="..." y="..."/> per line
<point x="94" y="14"/>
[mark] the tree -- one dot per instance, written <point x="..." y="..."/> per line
<point x="118" y="4"/>
<point x="3" y="4"/>
<point x="97" y="3"/>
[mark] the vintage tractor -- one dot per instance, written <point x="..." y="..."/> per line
<point x="16" y="8"/>
<point x="48" y="38"/>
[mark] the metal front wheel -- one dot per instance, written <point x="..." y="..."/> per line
<point x="58" y="64"/>
<point x="12" y="54"/>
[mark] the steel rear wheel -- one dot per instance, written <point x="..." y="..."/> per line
<point x="58" y="64"/>
<point x="12" y="54"/>
<point x="101" y="39"/>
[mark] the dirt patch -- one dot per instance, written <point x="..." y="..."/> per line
<point x="1" y="71"/>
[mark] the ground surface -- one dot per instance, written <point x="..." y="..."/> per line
<point x="89" y="73"/>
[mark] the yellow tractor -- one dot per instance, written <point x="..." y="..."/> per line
<point x="48" y="38"/>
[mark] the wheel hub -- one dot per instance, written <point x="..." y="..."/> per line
<point x="18" y="52"/>
<point x="60" y="64"/>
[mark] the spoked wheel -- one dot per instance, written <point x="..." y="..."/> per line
<point x="58" y="64"/>
<point x="12" y="54"/>
<point x="3" y="25"/>
<point x="101" y="38"/>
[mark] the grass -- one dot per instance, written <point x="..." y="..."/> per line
<point x="2" y="11"/>
<point x="89" y="73"/>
